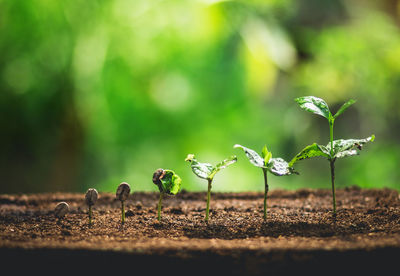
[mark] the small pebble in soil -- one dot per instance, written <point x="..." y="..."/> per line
<point x="61" y="209"/>
<point x="129" y="213"/>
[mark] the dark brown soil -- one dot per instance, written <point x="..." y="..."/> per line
<point x="300" y="234"/>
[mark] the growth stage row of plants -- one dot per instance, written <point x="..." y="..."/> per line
<point x="168" y="182"/>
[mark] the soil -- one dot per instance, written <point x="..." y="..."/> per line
<point x="300" y="235"/>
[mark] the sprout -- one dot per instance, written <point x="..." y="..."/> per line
<point x="122" y="194"/>
<point x="335" y="148"/>
<point x="91" y="198"/>
<point x="276" y="166"/>
<point x="208" y="171"/>
<point x="61" y="209"/>
<point x="168" y="182"/>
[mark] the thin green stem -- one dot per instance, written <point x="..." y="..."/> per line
<point x="90" y="214"/>
<point x="332" y="162"/>
<point x="208" y="199"/>
<point x="265" y="192"/>
<point x="331" y="135"/>
<point x="159" y="206"/>
<point x="122" y="212"/>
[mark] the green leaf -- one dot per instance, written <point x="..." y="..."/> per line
<point x="314" y="105"/>
<point x="344" y="107"/>
<point x="202" y="170"/>
<point x="266" y="155"/>
<point x="344" y="148"/>
<point x="313" y="150"/>
<point x="253" y="156"/>
<point x="280" y="167"/>
<point x="171" y="182"/>
<point x="223" y="165"/>
<point x="206" y="170"/>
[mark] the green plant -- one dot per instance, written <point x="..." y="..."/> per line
<point x="208" y="171"/>
<point x="91" y="198"/>
<point x="122" y="194"/>
<point x="335" y="148"/>
<point x="168" y="182"/>
<point x="276" y="166"/>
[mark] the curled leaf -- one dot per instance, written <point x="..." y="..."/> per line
<point x="253" y="156"/>
<point x="314" y="105"/>
<point x="313" y="150"/>
<point x="267" y="155"/>
<point x="202" y="170"/>
<point x="171" y="182"/>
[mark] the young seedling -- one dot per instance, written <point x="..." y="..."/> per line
<point x="168" y="182"/>
<point x="276" y="166"/>
<point x="335" y="148"/>
<point x="91" y="198"/>
<point x="122" y="194"/>
<point x="208" y="171"/>
<point x="61" y="209"/>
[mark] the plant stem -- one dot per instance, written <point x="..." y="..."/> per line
<point x="90" y="214"/>
<point x="331" y="135"/>
<point x="159" y="206"/>
<point x="265" y="193"/>
<point x="208" y="199"/>
<point x="122" y="212"/>
<point x="332" y="162"/>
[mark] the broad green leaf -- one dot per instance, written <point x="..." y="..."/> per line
<point x="313" y="150"/>
<point x="253" y="156"/>
<point x="266" y="155"/>
<point x="344" y="107"/>
<point x="314" y="105"/>
<point x="343" y="148"/>
<point x="280" y="167"/>
<point x="202" y="170"/>
<point x="171" y="182"/>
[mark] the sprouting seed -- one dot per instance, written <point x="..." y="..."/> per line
<point x="91" y="198"/>
<point x="61" y="209"/>
<point x="168" y="182"/>
<point x="122" y="194"/>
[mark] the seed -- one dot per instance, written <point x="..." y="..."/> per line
<point x="123" y="191"/>
<point x="61" y="209"/>
<point x="158" y="174"/>
<point x="91" y="196"/>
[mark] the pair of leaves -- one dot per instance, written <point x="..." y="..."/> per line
<point x="167" y="181"/>
<point x="320" y="107"/>
<point x="341" y="148"/>
<point x="206" y="170"/>
<point x="276" y="166"/>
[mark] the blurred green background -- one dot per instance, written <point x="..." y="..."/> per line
<point x="93" y="93"/>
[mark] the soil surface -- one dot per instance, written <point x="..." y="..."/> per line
<point x="300" y="235"/>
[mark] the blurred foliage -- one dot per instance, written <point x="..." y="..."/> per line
<point x="93" y="93"/>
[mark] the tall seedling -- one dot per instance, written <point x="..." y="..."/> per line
<point x="276" y="166"/>
<point x="208" y="171"/>
<point x="335" y="148"/>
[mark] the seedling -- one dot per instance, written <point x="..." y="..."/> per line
<point x="276" y="166"/>
<point x="122" y="194"/>
<point x="335" y="148"/>
<point x="168" y="182"/>
<point x="208" y="171"/>
<point x="91" y="198"/>
<point x="61" y="209"/>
